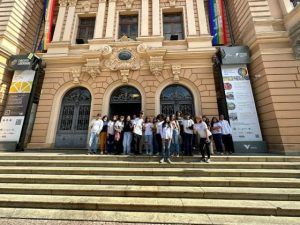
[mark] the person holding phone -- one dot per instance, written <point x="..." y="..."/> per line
<point x="203" y="133"/>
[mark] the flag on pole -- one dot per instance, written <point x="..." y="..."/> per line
<point x="217" y="21"/>
<point x="49" y="6"/>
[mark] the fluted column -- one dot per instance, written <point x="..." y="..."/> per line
<point x="70" y="19"/>
<point x="145" y="15"/>
<point x="202" y="17"/>
<point x="100" y="19"/>
<point x="60" y="20"/>
<point x="190" y="18"/>
<point x="155" y="18"/>
<point x="110" y="19"/>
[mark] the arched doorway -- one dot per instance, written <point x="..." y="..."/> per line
<point x="74" y="119"/>
<point x="176" y="98"/>
<point x="125" y="100"/>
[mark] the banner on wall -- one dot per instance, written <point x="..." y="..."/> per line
<point x="241" y="108"/>
<point x="217" y="22"/>
<point x="16" y="106"/>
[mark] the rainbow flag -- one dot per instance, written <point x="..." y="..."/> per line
<point x="49" y="6"/>
<point x="217" y="22"/>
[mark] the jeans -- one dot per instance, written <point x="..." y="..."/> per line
<point x="149" y="144"/>
<point x="204" y="146"/>
<point x="110" y="144"/>
<point x="127" y="142"/>
<point x="227" y="140"/>
<point x="93" y="143"/>
<point x="166" y="144"/>
<point x="175" y="142"/>
<point x="188" y="143"/>
<point x="218" y="142"/>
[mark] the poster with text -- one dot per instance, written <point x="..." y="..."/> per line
<point x="240" y="103"/>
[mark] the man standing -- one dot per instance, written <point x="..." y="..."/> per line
<point x="226" y="135"/>
<point x="96" y="127"/>
<point x="188" y="127"/>
<point x="138" y="132"/>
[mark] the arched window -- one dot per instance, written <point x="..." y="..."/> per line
<point x="176" y="98"/>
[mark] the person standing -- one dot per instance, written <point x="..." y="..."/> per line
<point x="138" y="132"/>
<point x="159" y="124"/>
<point x="96" y="127"/>
<point x="154" y="129"/>
<point x="166" y="136"/>
<point x="148" y="127"/>
<point x="207" y="121"/>
<point x="216" y="130"/>
<point x="111" y="135"/>
<point x="175" y="138"/>
<point x="103" y="136"/>
<point x="203" y="134"/>
<point x="119" y="125"/>
<point x="226" y="135"/>
<point x="188" y="128"/>
<point x="179" y="118"/>
<point x="127" y="138"/>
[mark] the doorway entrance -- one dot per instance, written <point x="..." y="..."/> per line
<point x="125" y="100"/>
<point x="74" y="119"/>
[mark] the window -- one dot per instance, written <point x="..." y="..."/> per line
<point x="173" y="26"/>
<point x="85" y="30"/>
<point x="128" y="25"/>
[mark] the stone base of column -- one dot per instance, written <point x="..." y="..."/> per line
<point x="196" y="42"/>
<point x="61" y="47"/>
<point x="153" y="41"/>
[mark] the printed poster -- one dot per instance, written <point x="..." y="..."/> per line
<point x="240" y="103"/>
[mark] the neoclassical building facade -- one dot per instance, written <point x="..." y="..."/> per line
<point x="123" y="56"/>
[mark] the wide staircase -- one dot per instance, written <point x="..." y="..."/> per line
<point x="229" y="190"/>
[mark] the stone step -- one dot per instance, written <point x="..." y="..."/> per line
<point x="171" y="205"/>
<point x="152" y="180"/>
<point x="146" y="217"/>
<point x="93" y="163"/>
<point x="242" y="193"/>
<point x="184" y="172"/>
<point x="56" y="155"/>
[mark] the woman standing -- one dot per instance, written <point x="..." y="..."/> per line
<point x="127" y="138"/>
<point x="166" y="136"/>
<point x="175" y="137"/>
<point x="208" y="123"/>
<point x="203" y="134"/>
<point x="148" y="126"/>
<point x="103" y="136"/>
<point x="119" y="125"/>
<point x="216" y="130"/>
<point x="188" y="135"/>
<point x="111" y="135"/>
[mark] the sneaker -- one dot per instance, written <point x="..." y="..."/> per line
<point x="162" y="160"/>
<point x="202" y="160"/>
<point x="208" y="161"/>
<point x="169" y="161"/>
<point x="177" y="155"/>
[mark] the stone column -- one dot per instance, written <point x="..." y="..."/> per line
<point x="144" y="19"/>
<point x="110" y="19"/>
<point x="100" y="19"/>
<point x="286" y="6"/>
<point x="60" y="20"/>
<point x="155" y="18"/>
<point x="190" y="18"/>
<point x="70" y="19"/>
<point x="202" y="17"/>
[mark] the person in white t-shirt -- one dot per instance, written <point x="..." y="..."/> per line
<point x="226" y="135"/>
<point x="216" y="130"/>
<point x="159" y="123"/>
<point x="167" y="133"/>
<point x="138" y="133"/>
<point x="203" y="134"/>
<point x="188" y="129"/>
<point x="96" y="127"/>
<point x="148" y="128"/>
<point x="111" y="135"/>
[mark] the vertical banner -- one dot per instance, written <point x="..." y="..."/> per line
<point x="49" y="6"/>
<point x="16" y="106"/>
<point x="241" y="107"/>
<point x="217" y="21"/>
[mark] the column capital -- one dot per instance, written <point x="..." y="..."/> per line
<point x="72" y="3"/>
<point x="63" y="3"/>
